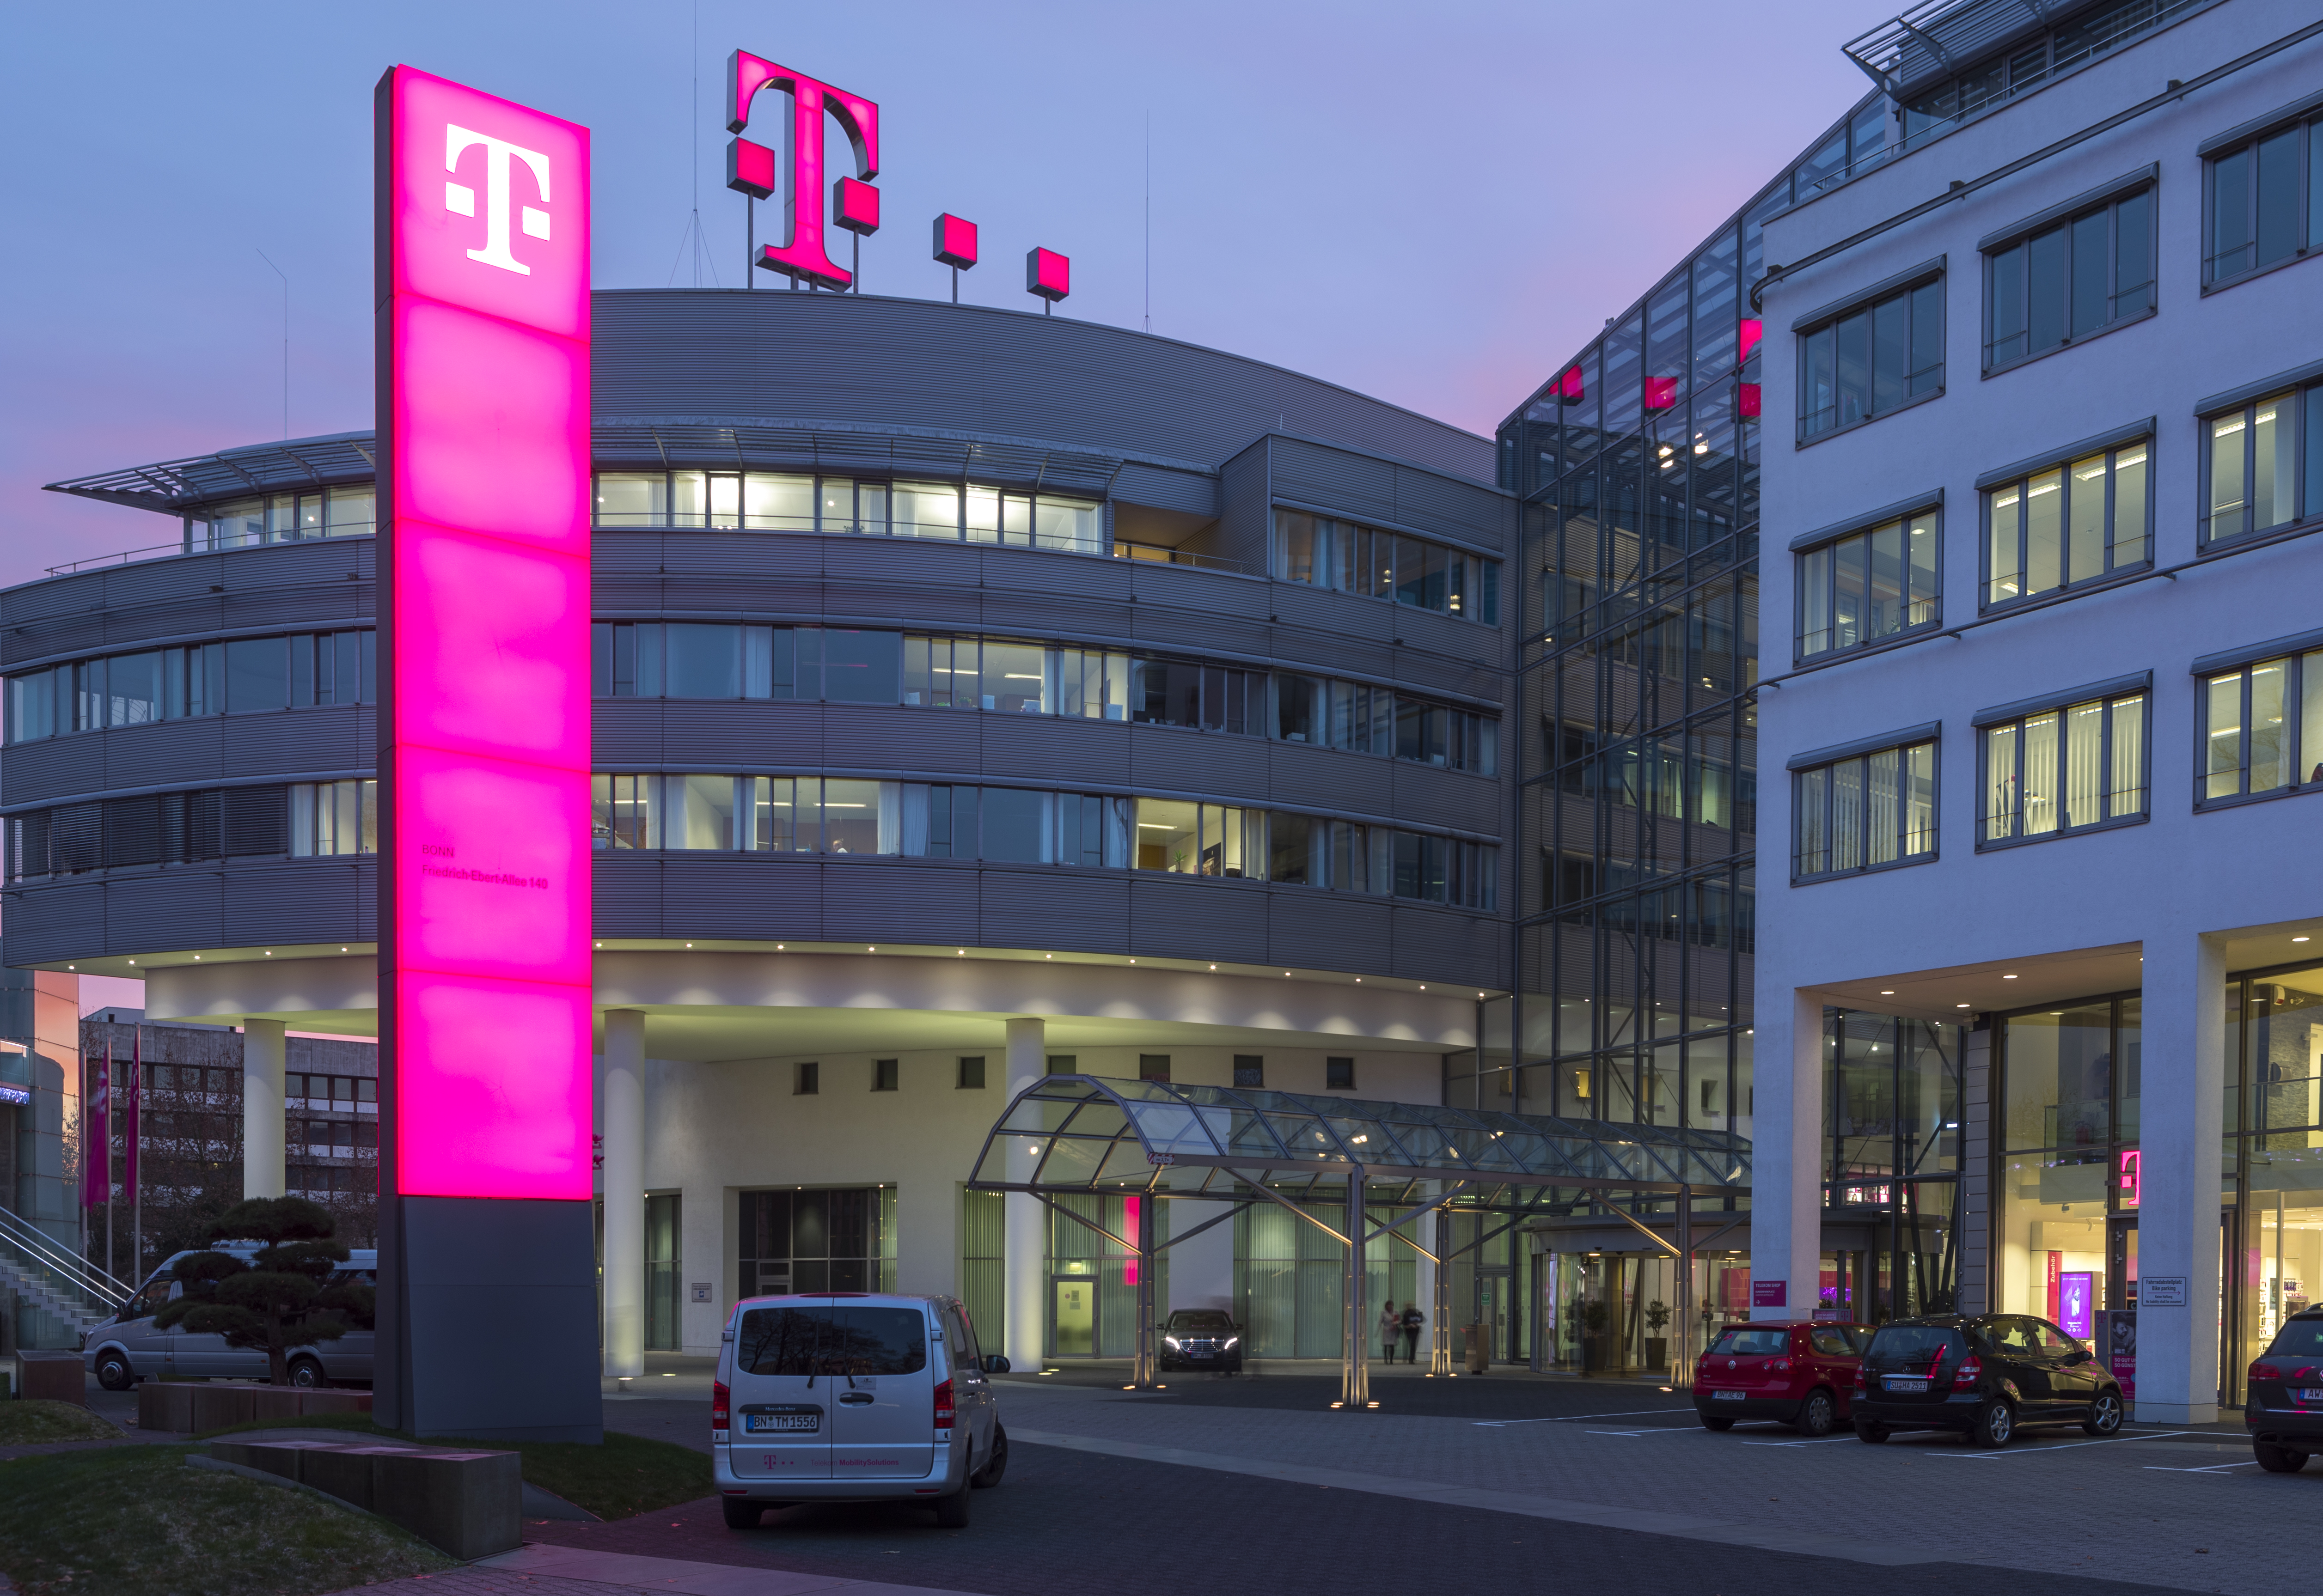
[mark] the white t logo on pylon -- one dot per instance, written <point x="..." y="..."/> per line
<point x="461" y="200"/>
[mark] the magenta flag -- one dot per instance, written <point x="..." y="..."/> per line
<point x="131" y="1099"/>
<point x="97" y="1154"/>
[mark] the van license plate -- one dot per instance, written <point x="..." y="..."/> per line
<point x="1727" y="1396"/>
<point x="2311" y="1394"/>
<point x="765" y="1422"/>
<point x="1906" y="1385"/>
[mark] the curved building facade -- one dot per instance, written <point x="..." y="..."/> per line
<point x="974" y="691"/>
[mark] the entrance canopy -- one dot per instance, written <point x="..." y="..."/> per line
<point x="1080" y="1134"/>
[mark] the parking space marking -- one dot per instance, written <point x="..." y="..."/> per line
<point x="2066" y="1446"/>
<point x="1660" y="1430"/>
<point x="1818" y="1440"/>
<point x="2250" y="1462"/>
<point x="1501" y="1424"/>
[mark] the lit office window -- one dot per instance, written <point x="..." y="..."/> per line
<point x="2262" y="729"/>
<point x="333" y="817"/>
<point x="245" y="677"/>
<point x="1319" y="552"/>
<point x="2262" y="465"/>
<point x="2068" y="281"/>
<point x="1871" y="359"/>
<point x="2074" y="523"/>
<point x="1864" y="814"/>
<point x="2263" y="206"/>
<point x="1868" y="586"/>
<point x="2072" y="768"/>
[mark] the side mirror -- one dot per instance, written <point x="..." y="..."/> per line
<point x="2075" y="1358"/>
<point x="994" y="1363"/>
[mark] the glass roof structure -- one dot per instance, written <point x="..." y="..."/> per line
<point x="1084" y="1134"/>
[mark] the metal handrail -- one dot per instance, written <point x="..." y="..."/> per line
<point x="82" y="1275"/>
<point x="151" y="551"/>
<point x="1162" y="553"/>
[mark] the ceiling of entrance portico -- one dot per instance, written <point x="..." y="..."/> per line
<point x="708" y="1036"/>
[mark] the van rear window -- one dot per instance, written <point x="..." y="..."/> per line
<point x="831" y="1341"/>
<point x="1739" y="1341"/>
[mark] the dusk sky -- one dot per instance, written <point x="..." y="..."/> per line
<point x="1432" y="204"/>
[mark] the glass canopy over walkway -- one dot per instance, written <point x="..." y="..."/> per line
<point x="1081" y="1136"/>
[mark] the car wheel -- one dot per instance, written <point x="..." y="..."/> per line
<point x="996" y="1466"/>
<point x="951" y="1511"/>
<point x="1870" y="1432"/>
<point x="2278" y="1460"/>
<point x="1995" y="1424"/>
<point x="1817" y="1414"/>
<point x="308" y="1374"/>
<point x="741" y="1512"/>
<point x="114" y="1373"/>
<point x="2105" y="1415"/>
<point x="1709" y="1423"/>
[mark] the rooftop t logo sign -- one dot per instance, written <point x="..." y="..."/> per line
<point x="751" y="168"/>
<point x="501" y="157"/>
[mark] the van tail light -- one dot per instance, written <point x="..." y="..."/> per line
<point x="945" y="1412"/>
<point x="1970" y="1370"/>
<point x="721" y="1404"/>
<point x="2266" y="1371"/>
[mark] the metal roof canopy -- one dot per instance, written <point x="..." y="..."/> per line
<point x="1081" y="1136"/>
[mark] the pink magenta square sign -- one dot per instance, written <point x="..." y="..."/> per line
<point x="484" y="948"/>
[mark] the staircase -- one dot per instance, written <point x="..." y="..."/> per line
<point x="51" y="1279"/>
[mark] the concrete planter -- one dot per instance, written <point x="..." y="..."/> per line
<point x="185" y="1407"/>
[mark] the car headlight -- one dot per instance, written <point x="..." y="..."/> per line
<point x="1171" y="1340"/>
<point x="1231" y="1341"/>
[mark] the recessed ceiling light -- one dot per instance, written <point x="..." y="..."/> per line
<point x="1959" y="1005"/>
<point x="2299" y="939"/>
<point x="1887" y="992"/>
<point x="2008" y="977"/>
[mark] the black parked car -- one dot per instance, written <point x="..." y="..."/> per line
<point x="2284" y="1409"/>
<point x="1984" y="1376"/>
<point x="1204" y="1338"/>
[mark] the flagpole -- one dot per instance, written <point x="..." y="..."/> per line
<point x="136" y="1140"/>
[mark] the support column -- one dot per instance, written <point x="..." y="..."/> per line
<point x="2180" y="1123"/>
<point x="1355" y="1379"/>
<point x="1146" y="1234"/>
<point x="1785" y="1157"/>
<point x="1682" y="1360"/>
<point x="1027" y="1265"/>
<point x="264" y="1172"/>
<point x="625" y="1194"/>
<point x="1423" y="1276"/>
<point x="1439" y="1307"/>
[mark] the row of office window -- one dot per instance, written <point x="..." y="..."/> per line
<point x="2064" y="768"/>
<point x="2082" y="519"/>
<point x="969" y="1074"/>
<point x="726" y="660"/>
<point x="1396" y="566"/>
<point x="2062" y="276"/>
<point x="771" y="501"/>
<point x="349" y="510"/>
<point x="793" y="814"/>
<point x="1015" y="825"/>
<point x="244" y="676"/>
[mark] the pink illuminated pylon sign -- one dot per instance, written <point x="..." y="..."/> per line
<point x="752" y="169"/>
<point x="483" y="417"/>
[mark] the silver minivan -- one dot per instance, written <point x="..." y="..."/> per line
<point x="126" y="1348"/>
<point x="852" y="1397"/>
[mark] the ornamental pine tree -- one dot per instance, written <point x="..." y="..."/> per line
<point x="278" y="1300"/>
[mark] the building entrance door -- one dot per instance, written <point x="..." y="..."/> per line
<point x="2121" y="1292"/>
<point x="1076" y="1318"/>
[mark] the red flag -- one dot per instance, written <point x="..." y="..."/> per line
<point x="129" y="1116"/>
<point x="97" y="1154"/>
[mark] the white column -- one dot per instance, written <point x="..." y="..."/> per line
<point x="1786" y="1155"/>
<point x="625" y="1193"/>
<point x="2180" y="1120"/>
<point x="263" y="1174"/>
<point x="1027" y="1239"/>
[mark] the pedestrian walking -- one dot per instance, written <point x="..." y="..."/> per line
<point x="1390" y="1324"/>
<point x="1412" y="1321"/>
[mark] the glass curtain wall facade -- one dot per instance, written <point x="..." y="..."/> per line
<point x="1638" y="659"/>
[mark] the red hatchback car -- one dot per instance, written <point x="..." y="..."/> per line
<point x="1800" y="1374"/>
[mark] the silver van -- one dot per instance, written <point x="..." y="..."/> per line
<point x="126" y="1348"/>
<point x="852" y="1397"/>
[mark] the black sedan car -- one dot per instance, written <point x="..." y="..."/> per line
<point x="2284" y="1409"/>
<point x="1202" y="1338"/>
<point x="1985" y="1376"/>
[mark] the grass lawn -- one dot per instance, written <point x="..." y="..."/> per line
<point x="628" y="1474"/>
<point x="135" y="1521"/>
<point x="31" y="1423"/>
